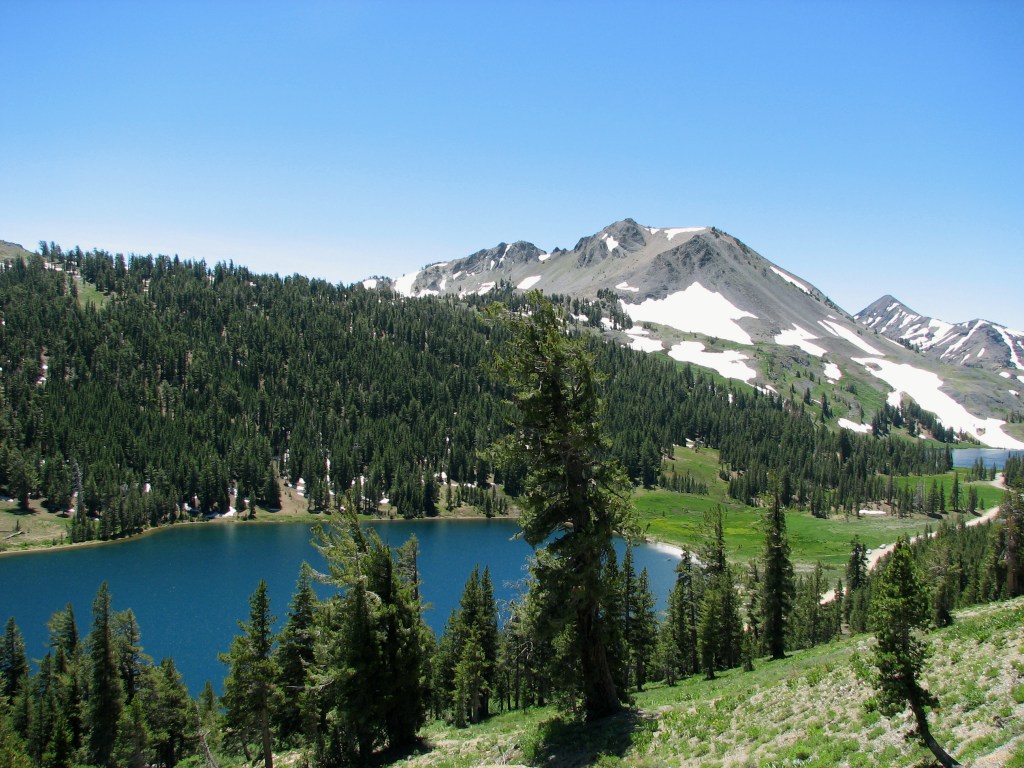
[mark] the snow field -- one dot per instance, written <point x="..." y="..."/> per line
<point x="802" y="338"/>
<point x="403" y="284"/>
<point x="925" y="388"/>
<point x="730" y="363"/>
<point x="528" y="282"/>
<point x="845" y="333"/>
<point x="695" y="310"/>
<point x="852" y="425"/>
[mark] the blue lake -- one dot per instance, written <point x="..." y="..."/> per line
<point x="993" y="457"/>
<point x="189" y="585"/>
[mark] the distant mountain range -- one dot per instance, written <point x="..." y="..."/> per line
<point x="701" y="295"/>
<point x="976" y="343"/>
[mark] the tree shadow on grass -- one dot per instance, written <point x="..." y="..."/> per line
<point x="572" y="744"/>
<point x="394" y="754"/>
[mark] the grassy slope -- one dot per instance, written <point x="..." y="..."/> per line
<point x="89" y="294"/>
<point x="677" y="518"/>
<point x="41" y="528"/>
<point x="808" y="710"/>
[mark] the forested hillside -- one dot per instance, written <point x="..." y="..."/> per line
<point x="150" y="389"/>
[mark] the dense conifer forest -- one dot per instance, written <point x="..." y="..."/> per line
<point x="150" y="390"/>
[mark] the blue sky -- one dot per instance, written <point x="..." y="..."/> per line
<point x="869" y="148"/>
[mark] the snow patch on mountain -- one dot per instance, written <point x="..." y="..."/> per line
<point x="625" y="286"/>
<point x="610" y="242"/>
<point x="403" y="284"/>
<point x="832" y="372"/>
<point x="695" y="310"/>
<point x="845" y="333"/>
<point x="847" y="424"/>
<point x="528" y="282"/>
<point x="674" y="231"/>
<point x="925" y="387"/>
<point x="643" y="343"/>
<point x="790" y="279"/>
<point x="730" y="363"/>
<point x="802" y="338"/>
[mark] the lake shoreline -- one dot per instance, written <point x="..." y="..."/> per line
<point x="270" y="518"/>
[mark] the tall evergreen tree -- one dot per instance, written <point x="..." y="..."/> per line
<point x="294" y="657"/>
<point x="106" y="696"/>
<point x="575" y="499"/>
<point x="678" y="635"/>
<point x="777" y="583"/>
<point x="1012" y="512"/>
<point x="376" y="632"/>
<point x="13" y="662"/>
<point x="899" y="613"/>
<point x="250" y="691"/>
<point x="719" y="628"/>
<point x="644" y="632"/>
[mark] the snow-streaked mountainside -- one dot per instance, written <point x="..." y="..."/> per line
<point x="976" y="343"/>
<point x="700" y="295"/>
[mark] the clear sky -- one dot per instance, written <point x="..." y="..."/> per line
<point x="869" y="148"/>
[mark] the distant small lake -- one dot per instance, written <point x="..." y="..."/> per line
<point x="189" y="585"/>
<point x="965" y="458"/>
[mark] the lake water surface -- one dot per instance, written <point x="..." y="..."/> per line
<point x="993" y="457"/>
<point x="189" y="585"/>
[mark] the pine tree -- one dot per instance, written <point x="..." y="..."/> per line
<point x="250" y="692"/>
<point x="572" y="492"/>
<point x="132" y="743"/>
<point x="375" y="633"/>
<point x="712" y="638"/>
<point x="170" y="714"/>
<point x="777" y="586"/>
<point x="644" y="632"/>
<point x="719" y="628"/>
<point x="131" y="661"/>
<point x="13" y="662"/>
<point x="106" y="697"/>
<point x="1012" y="512"/>
<point x="489" y="637"/>
<point x="294" y="656"/>
<point x="899" y="612"/>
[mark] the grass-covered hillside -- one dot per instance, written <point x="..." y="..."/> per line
<point x="808" y="710"/>
<point x="678" y="518"/>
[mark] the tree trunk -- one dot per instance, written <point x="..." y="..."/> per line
<point x="926" y="736"/>
<point x="600" y="697"/>
<point x="268" y="744"/>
